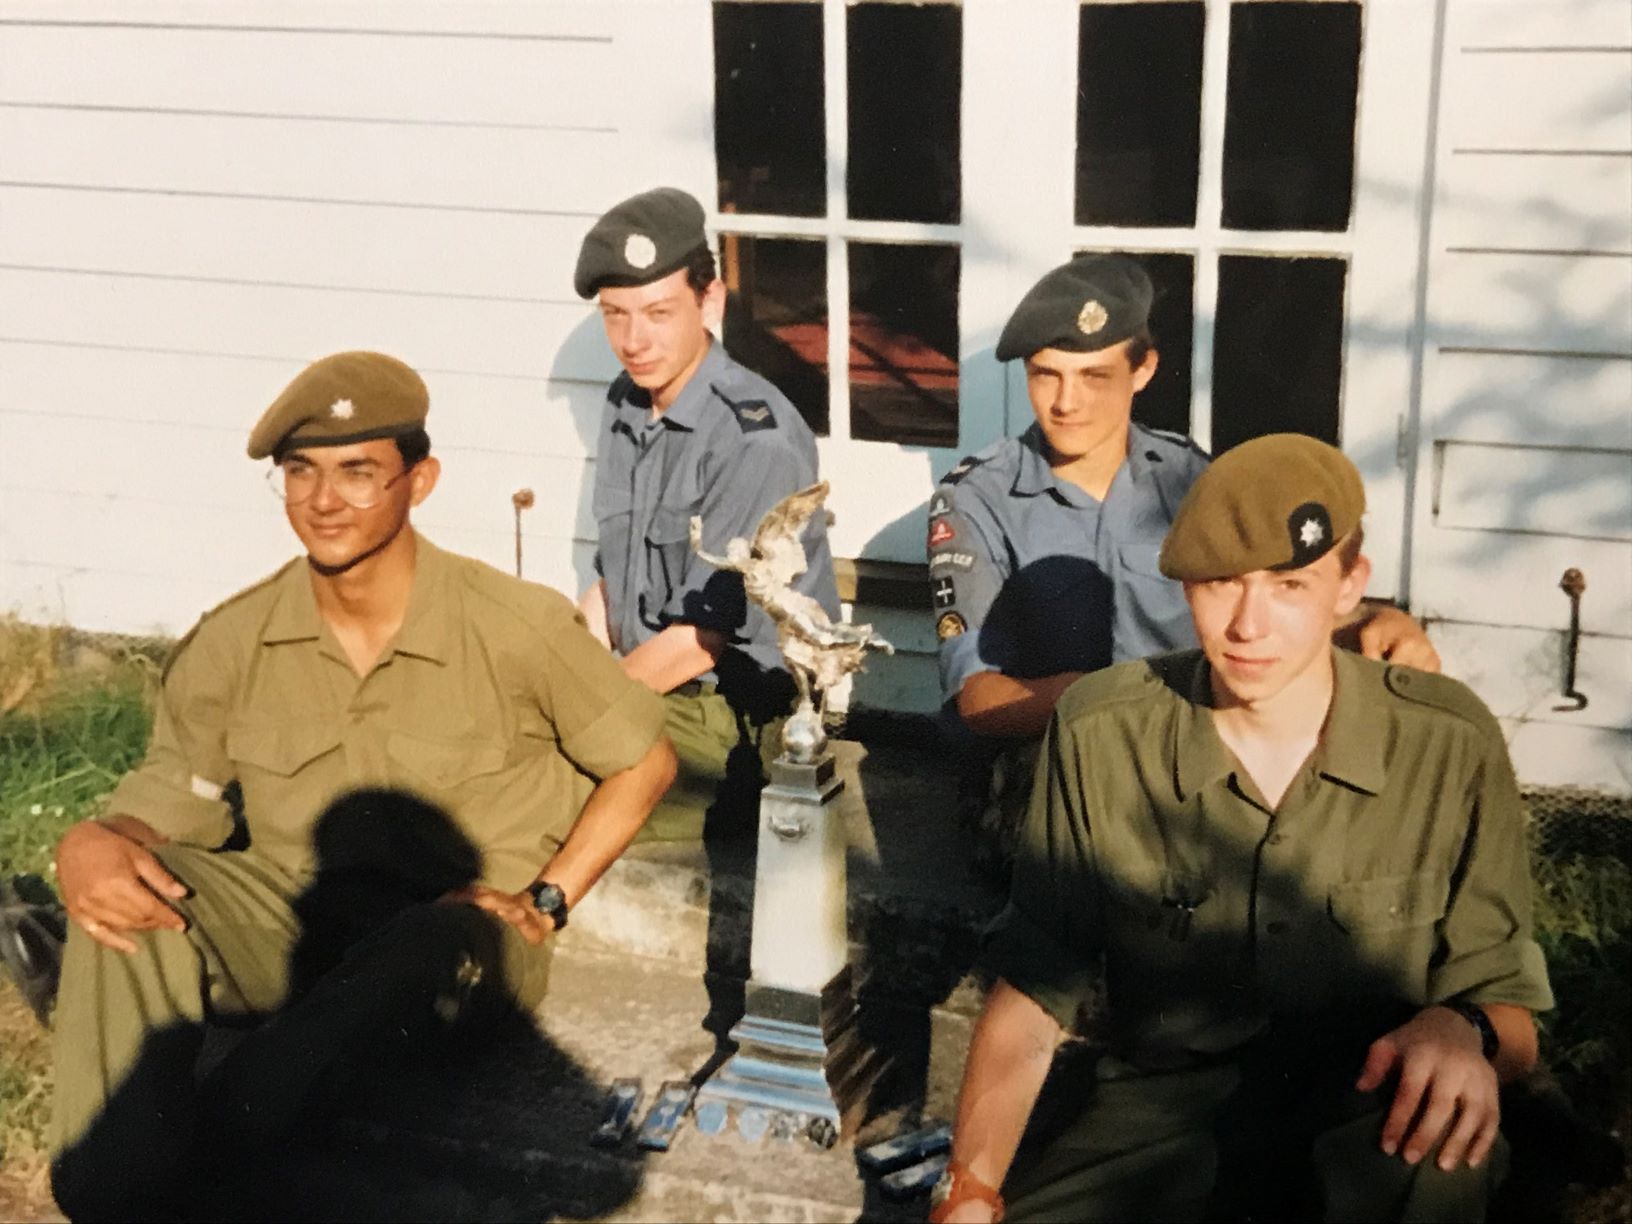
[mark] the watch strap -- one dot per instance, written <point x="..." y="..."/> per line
<point x="549" y="899"/>
<point x="959" y="1185"/>
<point x="1489" y="1041"/>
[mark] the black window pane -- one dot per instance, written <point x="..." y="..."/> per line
<point x="1165" y="401"/>
<point x="1138" y="113"/>
<point x="776" y="316"/>
<point x="1277" y="348"/>
<point x="1289" y="116"/>
<point x="769" y="139"/>
<point x="904" y="344"/>
<point x="906" y="74"/>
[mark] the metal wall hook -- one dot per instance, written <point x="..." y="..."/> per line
<point x="1573" y="583"/>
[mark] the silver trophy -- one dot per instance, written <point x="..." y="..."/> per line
<point x="799" y="1058"/>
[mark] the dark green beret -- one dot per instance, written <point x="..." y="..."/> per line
<point x="1278" y="502"/>
<point x="1089" y="304"/>
<point x="639" y="241"/>
<point x="349" y="397"/>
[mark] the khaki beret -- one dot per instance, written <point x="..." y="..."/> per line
<point x="349" y="397"/>
<point x="1089" y="304"/>
<point x="1274" y="503"/>
<point x="639" y="241"/>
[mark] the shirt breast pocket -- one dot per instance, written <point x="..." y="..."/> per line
<point x="279" y="749"/>
<point x="284" y="770"/>
<point x="668" y="553"/>
<point x="446" y="767"/>
<point x="1389" y="925"/>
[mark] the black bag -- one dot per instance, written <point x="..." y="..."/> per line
<point x="33" y="929"/>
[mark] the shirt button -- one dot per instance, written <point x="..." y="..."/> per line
<point x="1274" y="839"/>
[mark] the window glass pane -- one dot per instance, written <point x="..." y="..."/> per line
<point x="906" y="74"/>
<point x="1277" y="348"/>
<point x="1289" y="116"/>
<point x="768" y="124"/>
<point x="776" y="316"/>
<point x="904" y="343"/>
<point x="1165" y="401"/>
<point x="1138" y="113"/>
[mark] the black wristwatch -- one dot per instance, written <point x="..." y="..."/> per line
<point x="1489" y="1042"/>
<point x="548" y="899"/>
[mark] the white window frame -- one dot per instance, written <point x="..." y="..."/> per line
<point x="1017" y="220"/>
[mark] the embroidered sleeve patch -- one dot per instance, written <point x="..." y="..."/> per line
<point x="753" y="415"/>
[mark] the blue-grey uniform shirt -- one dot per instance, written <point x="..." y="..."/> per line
<point x="728" y="449"/>
<point x="1030" y="576"/>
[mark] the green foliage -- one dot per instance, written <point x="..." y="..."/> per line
<point x="64" y="742"/>
<point x="60" y="758"/>
<point x="1584" y="926"/>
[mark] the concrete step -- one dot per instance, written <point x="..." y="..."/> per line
<point x="507" y="1136"/>
<point x="915" y="906"/>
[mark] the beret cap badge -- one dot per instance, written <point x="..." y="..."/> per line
<point x="1277" y="502"/>
<point x="639" y="251"/>
<point x="1092" y="317"/>
<point x="342" y="409"/>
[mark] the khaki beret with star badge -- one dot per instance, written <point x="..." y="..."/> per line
<point x="1089" y="304"/>
<point x="639" y="241"/>
<point x="1275" y="503"/>
<point x="341" y="399"/>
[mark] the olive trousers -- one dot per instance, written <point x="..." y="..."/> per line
<point x="324" y="985"/>
<point x="723" y="758"/>
<point x="1221" y="1143"/>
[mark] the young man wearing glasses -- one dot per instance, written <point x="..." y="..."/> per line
<point x="433" y="762"/>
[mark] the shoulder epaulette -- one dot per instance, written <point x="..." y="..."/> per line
<point x="752" y="415"/>
<point x="1136" y="679"/>
<point x="1182" y="440"/>
<point x="964" y="466"/>
<point x="1441" y="693"/>
<point x="231" y="601"/>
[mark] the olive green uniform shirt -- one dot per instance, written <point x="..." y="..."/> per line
<point x="493" y="703"/>
<point x="1392" y="875"/>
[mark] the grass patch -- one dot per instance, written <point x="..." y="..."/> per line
<point x="1584" y="926"/>
<point x="72" y="720"/>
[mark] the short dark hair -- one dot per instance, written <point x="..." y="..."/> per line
<point x="701" y="271"/>
<point x="1140" y="345"/>
<point x="413" y="447"/>
<point x="1348" y="548"/>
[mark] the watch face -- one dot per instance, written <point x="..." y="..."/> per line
<point x="547" y="898"/>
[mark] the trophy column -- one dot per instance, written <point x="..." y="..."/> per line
<point x="800" y="1058"/>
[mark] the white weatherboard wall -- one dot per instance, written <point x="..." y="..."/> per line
<point x="1525" y="434"/>
<point x="197" y="199"/>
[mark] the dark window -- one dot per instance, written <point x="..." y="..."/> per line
<point x="769" y="138"/>
<point x="776" y="316"/>
<point x="1165" y="401"/>
<point x="1138" y="113"/>
<point x="1278" y="348"/>
<point x="904" y="343"/>
<point x="906" y="73"/>
<point x="1289" y="116"/>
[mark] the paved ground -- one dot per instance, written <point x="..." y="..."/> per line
<point x="646" y="980"/>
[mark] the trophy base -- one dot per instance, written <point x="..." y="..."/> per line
<point x="799" y="1056"/>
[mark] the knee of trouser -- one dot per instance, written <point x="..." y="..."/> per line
<point x="1359" y="1181"/>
